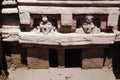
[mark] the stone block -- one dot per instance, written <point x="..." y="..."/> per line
<point x="92" y="58"/>
<point x="9" y="2"/>
<point x="38" y="58"/>
<point x="10" y="33"/>
<point x="67" y="10"/>
<point x="66" y="39"/>
<point x="71" y="2"/>
<point x="108" y="62"/>
<point x="66" y="19"/>
<point x="24" y="18"/>
<point x="9" y="10"/>
<point x="113" y="19"/>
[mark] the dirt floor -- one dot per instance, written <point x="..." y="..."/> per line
<point x="61" y="74"/>
<point x="14" y="61"/>
<point x="19" y="71"/>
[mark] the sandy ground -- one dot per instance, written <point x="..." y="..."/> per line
<point x="19" y="71"/>
<point x="61" y="74"/>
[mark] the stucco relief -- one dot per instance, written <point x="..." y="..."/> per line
<point x="88" y="26"/>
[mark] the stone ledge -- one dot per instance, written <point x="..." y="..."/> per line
<point x="117" y="38"/>
<point x="66" y="10"/>
<point x="96" y="3"/>
<point x="10" y="33"/>
<point x="9" y="10"/>
<point x="66" y="39"/>
<point x="9" y="3"/>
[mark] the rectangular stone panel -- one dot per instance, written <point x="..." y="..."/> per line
<point x="9" y="10"/>
<point x="24" y="18"/>
<point x="66" y="39"/>
<point x="66" y="19"/>
<point x="92" y="58"/>
<point x="113" y="19"/>
<point x="67" y="10"/>
<point x="38" y="58"/>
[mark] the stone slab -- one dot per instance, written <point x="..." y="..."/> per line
<point x="24" y="18"/>
<point x="69" y="2"/>
<point x="10" y="33"/>
<point x="92" y="58"/>
<point x="9" y="3"/>
<point x="117" y="38"/>
<point x="9" y="10"/>
<point x="66" y="39"/>
<point x="42" y="59"/>
<point x="66" y="19"/>
<point x="92" y="63"/>
<point x="113" y="19"/>
<point x="66" y="10"/>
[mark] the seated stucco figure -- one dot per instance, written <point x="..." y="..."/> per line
<point x="45" y="26"/>
<point x="88" y="26"/>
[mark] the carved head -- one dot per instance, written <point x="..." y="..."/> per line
<point x="44" y="18"/>
<point x="89" y="18"/>
<point x="88" y="25"/>
<point x="87" y="28"/>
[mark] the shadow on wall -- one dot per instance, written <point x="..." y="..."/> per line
<point x="116" y="60"/>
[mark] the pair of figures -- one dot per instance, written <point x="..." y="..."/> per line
<point x="88" y="26"/>
<point x="44" y="26"/>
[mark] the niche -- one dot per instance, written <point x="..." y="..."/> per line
<point x="73" y="58"/>
<point x="53" y="58"/>
<point x="37" y="18"/>
<point x="99" y="20"/>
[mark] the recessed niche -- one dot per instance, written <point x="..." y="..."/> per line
<point x="119" y="24"/>
<point x="37" y="18"/>
<point x="99" y="20"/>
<point x="73" y="58"/>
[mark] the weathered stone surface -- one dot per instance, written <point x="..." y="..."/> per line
<point x="66" y="19"/>
<point x="10" y="33"/>
<point x="9" y="3"/>
<point x="66" y="39"/>
<point x="24" y="18"/>
<point x="9" y="10"/>
<point x="117" y="38"/>
<point x="92" y="58"/>
<point x="42" y="59"/>
<point x="76" y="2"/>
<point x="66" y="10"/>
<point x="113" y="19"/>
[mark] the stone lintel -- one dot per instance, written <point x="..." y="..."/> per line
<point x="96" y="3"/>
<point x="67" y="10"/>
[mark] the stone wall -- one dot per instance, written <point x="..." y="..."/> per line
<point x="19" y="16"/>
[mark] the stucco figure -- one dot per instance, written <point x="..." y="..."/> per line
<point x="44" y="26"/>
<point x="88" y="26"/>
